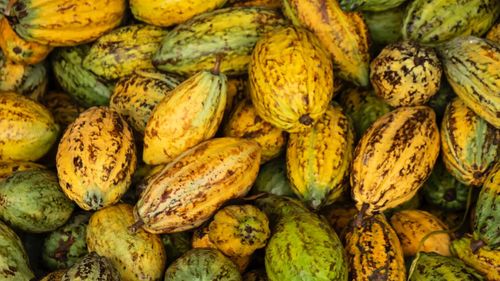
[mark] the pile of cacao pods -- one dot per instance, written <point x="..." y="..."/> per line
<point x="228" y="140"/>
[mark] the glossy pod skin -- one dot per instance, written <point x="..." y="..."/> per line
<point x="221" y="169"/>
<point x="394" y="158"/>
<point x="290" y="79"/>
<point x="484" y="260"/>
<point x="96" y="159"/>
<point x="471" y="65"/>
<point x="433" y="267"/>
<point x="470" y="145"/>
<point x="374" y="252"/>
<point x="343" y="35"/>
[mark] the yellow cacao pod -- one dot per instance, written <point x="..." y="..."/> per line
<point x="193" y="186"/>
<point x="9" y="167"/>
<point x="96" y="159"/>
<point x="63" y="107"/>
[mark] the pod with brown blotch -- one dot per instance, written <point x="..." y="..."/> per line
<point x="290" y="79"/>
<point x="28" y="129"/>
<point x="28" y="80"/>
<point x="193" y="186"/>
<point x="406" y="74"/>
<point x="374" y="252"/>
<point x="92" y="267"/>
<point x="486" y="215"/>
<point x="64" y="109"/>
<point x="19" y="50"/>
<point x="193" y="46"/>
<point x="470" y="146"/>
<point x="14" y="264"/>
<point x="96" y="158"/>
<point x="66" y="23"/>
<point x="32" y="201"/>
<point x="272" y="4"/>
<point x="135" y="96"/>
<point x="168" y="13"/>
<point x="413" y="225"/>
<point x="318" y="161"/>
<point x="484" y="260"/>
<point x="471" y="65"/>
<point x="7" y="168"/>
<point x="435" y="22"/>
<point x="394" y="158"/>
<point x="435" y="267"/>
<point x="244" y="122"/>
<point x="124" y="50"/>
<point x="344" y="35"/>
<point x="494" y="34"/>
<point x="339" y="215"/>
<point x="136" y="256"/>
<point x="187" y="116"/>
<point x="54" y="276"/>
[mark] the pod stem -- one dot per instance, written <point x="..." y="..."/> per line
<point x="475" y="245"/>
<point x="9" y="6"/>
<point x="218" y="61"/>
<point x="359" y="218"/>
<point x="135" y="227"/>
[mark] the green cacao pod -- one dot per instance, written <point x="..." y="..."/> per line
<point x="14" y="264"/>
<point x="369" y="5"/>
<point x="487" y="213"/>
<point x="441" y="99"/>
<point x="33" y="201"/>
<point x="434" y="267"/>
<point x="470" y="146"/>
<point x="484" y="260"/>
<point x="176" y="244"/>
<point x="203" y="264"/>
<point x="471" y="65"/>
<point x="66" y="245"/>
<point x="437" y="21"/>
<point x="84" y="86"/>
<point x="193" y="46"/>
<point x="272" y="179"/>
<point x="384" y="26"/>
<point x="90" y="268"/>
<point x="124" y="50"/>
<point x="445" y="191"/>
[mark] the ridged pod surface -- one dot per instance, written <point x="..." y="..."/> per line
<point x="135" y="96"/>
<point x="384" y="26"/>
<point x="374" y="252"/>
<point x="487" y="212"/>
<point x="124" y="50"/>
<point x="411" y="227"/>
<point x="54" y="276"/>
<point x="244" y="122"/>
<point x="28" y="80"/>
<point x="319" y="160"/>
<point x="484" y="260"/>
<point x="290" y="79"/>
<point x="272" y="179"/>
<point x="9" y="167"/>
<point x="433" y="267"/>
<point x="203" y="264"/>
<point x="239" y="230"/>
<point x="66" y="245"/>
<point x="194" y="185"/>
<point x="445" y="191"/>
<point x="84" y="86"/>
<point x="471" y="65"/>
<point x="64" y="109"/>
<point x="66" y="22"/>
<point x="405" y="74"/>
<point x="32" y="201"/>
<point x="17" y="49"/>
<point x="136" y="256"/>
<point x="14" y="264"/>
<point x="394" y="158"/>
<point x="370" y="5"/>
<point x="193" y="46"/>
<point x="343" y="35"/>
<point x="272" y="4"/>
<point x="340" y="216"/>
<point x="96" y="158"/>
<point x="171" y="12"/>
<point x="363" y="107"/>
<point x="470" y="146"/>
<point x="28" y="128"/>
<point x="92" y="267"/>
<point x="303" y="246"/>
<point x="437" y="21"/>
<point x="494" y="34"/>
<point x="187" y="116"/>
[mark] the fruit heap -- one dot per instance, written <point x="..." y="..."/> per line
<point x="249" y="140"/>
